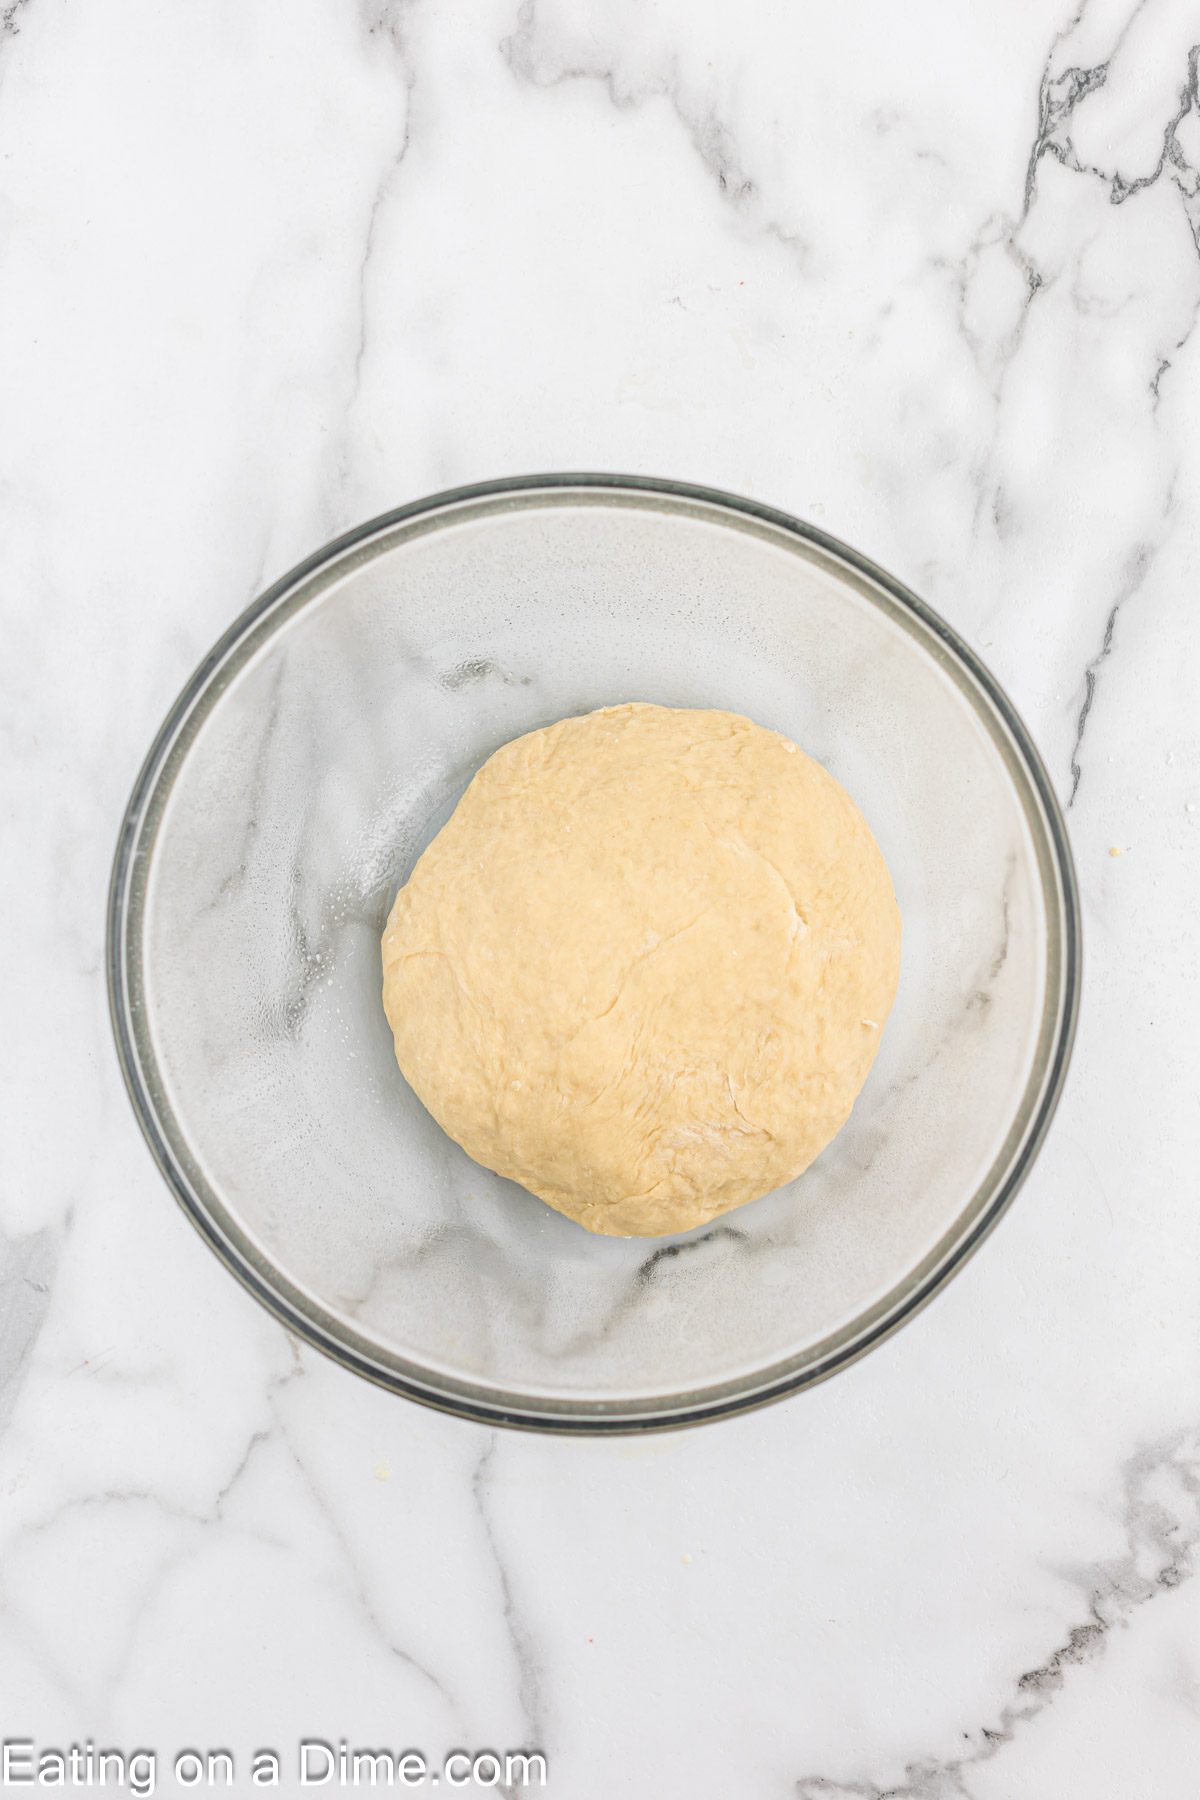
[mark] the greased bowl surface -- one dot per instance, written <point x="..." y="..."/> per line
<point x="321" y="746"/>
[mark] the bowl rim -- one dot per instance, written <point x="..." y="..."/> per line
<point x="486" y="1403"/>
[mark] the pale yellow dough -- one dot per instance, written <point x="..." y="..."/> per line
<point x="644" y="968"/>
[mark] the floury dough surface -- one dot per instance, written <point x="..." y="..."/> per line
<point x="644" y="967"/>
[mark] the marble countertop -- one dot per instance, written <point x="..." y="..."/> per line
<point x="926" y="275"/>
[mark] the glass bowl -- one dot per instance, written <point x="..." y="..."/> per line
<point x="322" y="744"/>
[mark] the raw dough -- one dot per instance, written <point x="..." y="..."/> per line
<point x="644" y="968"/>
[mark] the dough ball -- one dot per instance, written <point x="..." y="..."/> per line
<point x="644" y="968"/>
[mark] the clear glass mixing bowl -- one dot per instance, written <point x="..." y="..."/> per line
<point x="323" y="743"/>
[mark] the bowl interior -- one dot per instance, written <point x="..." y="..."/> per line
<point x="328" y="745"/>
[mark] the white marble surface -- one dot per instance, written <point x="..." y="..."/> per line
<point x="927" y="275"/>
